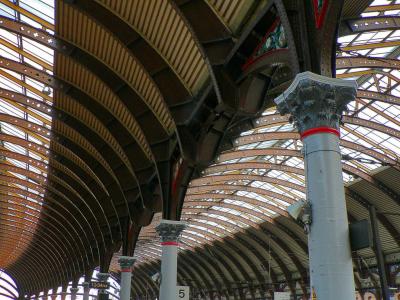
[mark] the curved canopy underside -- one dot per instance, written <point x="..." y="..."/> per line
<point x="239" y="233"/>
<point x="100" y="101"/>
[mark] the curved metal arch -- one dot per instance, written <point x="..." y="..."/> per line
<point x="20" y="68"/>
<point x="33" y="259"/>
<point x="55" y="211"/>
<point x="241" y="244"/>
<point x="375" y="96"/>
<point x="51" y="245"/>
<point x="48" y="228"/>
<point x="260" y="242"/>
<point x="366" y="24"/>
<point x="194" y="199"/>
<point x="85" y="147"/>
<point x="114" y="106"/>
<point x="156" y="104"/>
<point x="145" y="278"/>
<point x="133" y="174"/>
<point x="238" y="187"/>
<point x="121" y="13"/>
<point x="281" y="227"/>
<point x="366" y="62"/>
<point x="205" y="270"/>
<point x="36" y="196"/>
<point x="253" y="165"/>
<point x="220" y="179"/>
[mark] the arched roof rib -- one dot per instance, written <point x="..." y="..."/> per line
<point x="265" y="168"/>
<point x="89" y="133"/>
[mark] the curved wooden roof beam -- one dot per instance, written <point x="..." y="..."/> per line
<point x="43" y="256"/>
<point x="69" y="238"/>
<point x="120" y="60"/>
<point x="176" y="45"/>
<point x="25" y="144"/>
<point x="53" y="246"/>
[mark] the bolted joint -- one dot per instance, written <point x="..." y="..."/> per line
<point x="169" y="231"/>
<point x="316" y="101"/>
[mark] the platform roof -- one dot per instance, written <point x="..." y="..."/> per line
<point x="102" y="101"/>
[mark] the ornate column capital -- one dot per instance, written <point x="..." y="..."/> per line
<point x="74" y="289"/>
<point x="126" y="263"/>
<point x="316" y="101"/>
<point x="85" y="284"/>
<point x="103" y="276"/>
<point x="169" y="231"/>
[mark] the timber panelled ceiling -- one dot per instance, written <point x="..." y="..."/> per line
<point x="240" y="243"/>
<point x="109" y="108"/>
<point x="93" y="99"/>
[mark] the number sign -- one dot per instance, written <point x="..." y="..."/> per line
<point x="99" y="285"/>
<point x="182" y="292"/>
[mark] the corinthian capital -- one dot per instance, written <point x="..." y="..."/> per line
<point x="169" y="231"/>
<point x="316" y="101"/>
<point x="126" y="262"/>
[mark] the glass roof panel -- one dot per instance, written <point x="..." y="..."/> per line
<point x="23" y="129"/>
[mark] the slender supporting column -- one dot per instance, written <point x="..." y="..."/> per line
<point x="102" y="293"/>
<point x="63" y="292"/>
<point x="126" y="263"/>
<point x="379" y="253"/>
<point x="169" y="232"/>
<point x="316" y="104"/>
<point x="86" y="290"/>
<point x="73" y="291"/>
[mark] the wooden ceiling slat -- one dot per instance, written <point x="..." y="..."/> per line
<point x="108" y="49"/>
<point x="136" y="16"/>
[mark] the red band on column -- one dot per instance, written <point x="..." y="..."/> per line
<point x="169" y="244"/>
<point x="126" y="270"/>
<point x="319" y="130"/>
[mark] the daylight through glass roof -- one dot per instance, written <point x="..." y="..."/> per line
<point x="25" y="124"/>
<point x="264" y="173"/>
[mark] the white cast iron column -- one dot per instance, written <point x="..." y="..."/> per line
<point x="316" y="104"/>
<point x="126" y="263"/>
<point x="169" y="232"/>
<point x="86" y="290"/>
<point x="73" y="291"/>
<point x="102" y="293"/>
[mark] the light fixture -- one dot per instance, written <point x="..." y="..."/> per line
<point x="301" y="211"/>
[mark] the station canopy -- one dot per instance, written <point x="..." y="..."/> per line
<point x="91" y="119"/>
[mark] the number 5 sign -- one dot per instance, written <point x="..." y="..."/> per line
<point x="182" y="292"/>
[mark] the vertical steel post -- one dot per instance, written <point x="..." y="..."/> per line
<point x="126" y="263"/>
<point x="316" y="104"/>
<point x="102" y="293"/>
<point x="379" y="253"/>
<point x="169" y="232"/>
<point x="73" y="290"/>
<point x="86" y="290"/>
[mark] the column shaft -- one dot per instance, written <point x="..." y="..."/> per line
<point x="169" y="232"/>
<point x="316" y="105"/>
<point x="169" y="267"/>
<point x="126" y="277"/>
<point x="331" y="264"/>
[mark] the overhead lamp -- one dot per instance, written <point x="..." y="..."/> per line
<point x="156" y="277"/>
<point x="301" y="211"/>
<point x="46" y="90"/>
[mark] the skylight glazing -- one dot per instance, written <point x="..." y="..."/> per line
<point x="25" y="125"/>
<point x="264" y="173"/>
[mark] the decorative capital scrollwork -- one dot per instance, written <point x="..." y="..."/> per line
<point x="169" y="231"/>
<point x="316" y="101"/>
